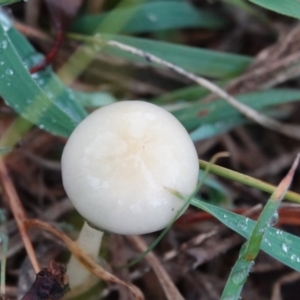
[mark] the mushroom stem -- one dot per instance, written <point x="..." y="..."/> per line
<point x="89" y="240"/>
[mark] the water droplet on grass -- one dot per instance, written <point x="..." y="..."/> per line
<point x="294" y="257"/>
<point x="152" y="17"/>
<point x="251" y="266"/>
<point x="5" y="20"/>
<point x="229" y="298"/>
<point x="240" y="277"/>
<point x="285" y="247"/>
<point x="9" y="72"/>
<point x="267" y="242"/>
<point x="3" y="44"/>
<point x="274" y="219"/>
<point x="40" y="81"/>
<point x="243" y="225"/>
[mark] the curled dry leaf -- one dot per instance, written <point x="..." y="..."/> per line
<point x="83" y="258"/>
<point x="50" y="283"/>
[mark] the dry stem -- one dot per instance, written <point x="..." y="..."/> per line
<point x="18" y="212"/>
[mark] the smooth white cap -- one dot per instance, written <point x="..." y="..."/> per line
<point x="119" y="161"/>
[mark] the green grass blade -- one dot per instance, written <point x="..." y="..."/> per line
<point x="187" y="94"/>
<point x="4" y="243"/>
<point x="218" y="111"/>
<point x="279" y="244"/>
<point x="251" y="248"/>
<point x="200" y="61"/>
<point x="6" y="2"/>
<point x="206" y="131"/>
<point x="41" y="99"/>
<point x="285" y="7"/>
<point x="93" y="99"/>
<point x="247" y="180"/>
<point x="63" y="96"/>
<point x="151" y="17"/>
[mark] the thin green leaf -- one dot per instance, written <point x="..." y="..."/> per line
<point x="279" y="244"/>
<point x="217" y="194"/>
<point x="42" y="99"/>
<point x="247" y="180"/>
<point x="93" y="99"/>
<point x="200" y="61"/>
<point x="219" y="111"/>
<point x="250" y="250"/>
<point x="206" y="131"/>
<point x="183" y="95"/>
<point x="285" y="7"/>
<point x="151" y="17"/>
<point x="4" y="243"/>
<point x="6" y="2"/>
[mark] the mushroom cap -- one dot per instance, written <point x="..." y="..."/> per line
<point x="119" y="162"/>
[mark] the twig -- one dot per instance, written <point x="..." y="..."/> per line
<point x="32" y="12"/>
<point x="18" y="212"/>
<point x="287" y="278"/>
<point x="32" y="32"/>
<point x="288" y="130"/>
<point x="167" y="284"/>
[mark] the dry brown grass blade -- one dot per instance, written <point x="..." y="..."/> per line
<point x="286" y="181"/>
<point x="95" y="6"/>
<point x="288" y="278"/>
<point x="62" y="12"/>
<point x="83" y="258"/>
<point x="273" y="65"/>
<point x="292" y="131"/>
<point x="167" y="284"/>
<point x="18" y="212"/>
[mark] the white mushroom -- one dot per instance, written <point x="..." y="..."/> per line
<point x="119" y="163"/>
